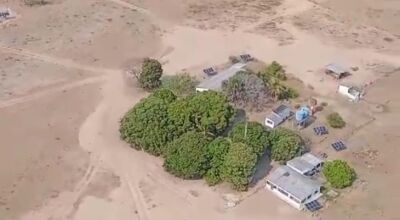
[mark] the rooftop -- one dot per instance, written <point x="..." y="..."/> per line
<point x="336" y="68"/>
<point x="293" y="182"/>
<point x="215" y="82"/>
<point x="304" y="163"/>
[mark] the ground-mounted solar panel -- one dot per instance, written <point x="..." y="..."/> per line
<point x="313" y="206"/>
<point x="339" y="146"/>
<point x="210" y="71"/>
<point x="321" y="130"/>
<point x="246" y="57"/>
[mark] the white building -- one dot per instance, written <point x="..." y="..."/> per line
<point x="351" y="92"/>
<point x="214" y="83"/>
<point x="307" y="164"/>
<point x="293" y="187"/>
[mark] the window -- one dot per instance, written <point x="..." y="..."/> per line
<point x="309" y="197"/>
<point x="316" y="191"/>
<point x="283" y="192"/>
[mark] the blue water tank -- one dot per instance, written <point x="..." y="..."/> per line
<point x="302" y="114"/>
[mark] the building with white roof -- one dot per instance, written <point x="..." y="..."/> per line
<point x="293" y="187"/>
<point x="307" y="164"/>
<point x="214" y="83"/>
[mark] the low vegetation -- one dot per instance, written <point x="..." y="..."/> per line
<point x="181" y="85"/>
<point x="335" y="120"/>
<point x="339" y="174"/>
<point x="285" y="144"/>
<point x="149" y="77"/>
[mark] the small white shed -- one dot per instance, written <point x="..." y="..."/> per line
<point x="351" y="92"/>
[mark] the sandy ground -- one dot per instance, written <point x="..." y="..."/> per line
<point x="64" y="89"/>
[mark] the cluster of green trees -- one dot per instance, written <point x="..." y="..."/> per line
<point x="189" y="131"/>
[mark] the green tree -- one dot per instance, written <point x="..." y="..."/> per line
<point x="147" y="126"/>
<point x="216" y="152"/>
<point x="186" y="156"/>
<point x="285" y="144"/>
<point x="164" y="94"/>
<point x="253" y="134"/>
<point x="181" y="84"/>
<point x="209" y="112"/>
<point x="335" y="120"/>
<point x="274" y="70"/>
<point x="339" y="174"/>
<point x="239" y="166"/>
<point x="150" y="74"/>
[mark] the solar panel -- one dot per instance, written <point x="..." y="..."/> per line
<point x="339" y="146"/>
<point x="210" y="71"/>
<point x="321" y="130"/>
<point x="246" y="57"/>
<point x="313" y="206"/>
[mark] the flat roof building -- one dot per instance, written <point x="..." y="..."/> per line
<point x="214" y="83"/>
<point x="293" y="187"/>
<point x="306" y="164"/>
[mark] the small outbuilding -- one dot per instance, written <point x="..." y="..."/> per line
<point x="278" y="116"/>
<point x="351" y="92"/>
<point x="214" y="83"/>
<point x="336" y="70"/>
<point x="292" y="187"/>
<point x="307" y="164"/>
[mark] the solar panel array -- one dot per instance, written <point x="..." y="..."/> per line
<point x="210" y="71"/>
<point x="321" y="130"/>
<point x="313" y="206"/>
<point x="339" y="146"/>
<point x="246" y="57"/>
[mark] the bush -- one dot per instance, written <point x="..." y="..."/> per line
<point x="285" y="144"/>
<point x="181" y="85"/>
<point x="233" y="59"/>
<point x="164" y="94"/>
<point x="335" y="120"/>
<point x="339" y="174"/>
<point x="239" y="166"/>
<point x="216" y="152"/>
<point x="256" y="137"/>
<point x="288" y="93"/>
<point x="147" y="126"/>
<point x="150" y="74"/>
<point x="246" y="90"/>
<point x="274" y="70"/>
<point x="186" y="156"/>
<point x="209" y="112"/>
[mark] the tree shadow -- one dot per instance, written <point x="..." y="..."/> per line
<point x="263" y="167"/>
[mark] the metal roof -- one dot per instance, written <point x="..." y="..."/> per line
<point x="215" y="82"/>
<point x="336" y="68"/>
<point x="293" y="182"/>
<point x="304" y="163"/>
<point x="275" y="118"/>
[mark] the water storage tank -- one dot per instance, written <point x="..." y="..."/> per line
<point x="302" y="114"/>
